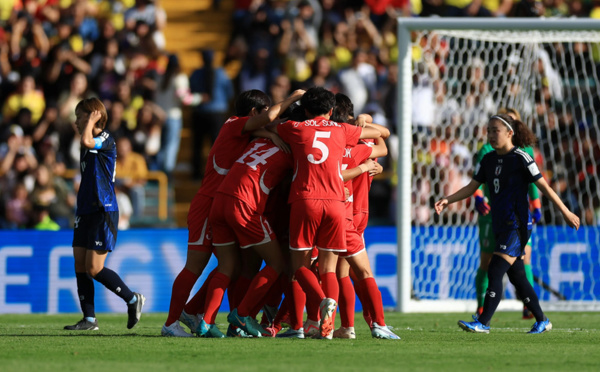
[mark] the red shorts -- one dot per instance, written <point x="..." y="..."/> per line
<point x="360" y="221"/>
<point x="199" y="232"/>
<point x="233" y="221"/>
<point x="320" y="223"/>
<point x="314" y="254"/>
<point x="354" y="241"/>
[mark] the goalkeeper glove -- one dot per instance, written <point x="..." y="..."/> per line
<point x="536" y="215"/>
<point x="481" y="205"/>
<point x="536" y="210"/>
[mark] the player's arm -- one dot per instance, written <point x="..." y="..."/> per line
<point x="570" y="217"/>
<point x="366" y="121"/>
<point x="87" y="137"/>
<point x="379" y="149"/>
<point x="265" y="117"/>
<point x="274" y="137"/>
<point x="368" y="132"/>
<point x="368" y="166"/>
<point x="461" y="194"/>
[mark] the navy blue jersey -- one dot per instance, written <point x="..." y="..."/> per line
<point x="508" y="178"/>
<point x="97" y="190"/>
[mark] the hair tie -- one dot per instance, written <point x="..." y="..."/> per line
<point x="502" y="120"/>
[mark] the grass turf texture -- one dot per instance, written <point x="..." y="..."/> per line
<point x="429" y="342"/>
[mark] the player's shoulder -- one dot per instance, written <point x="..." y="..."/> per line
<point x="235" y="119"/>
<point x="107" y="137"/>
<point x="523" y="155"/>
<point x="488" y="155"/>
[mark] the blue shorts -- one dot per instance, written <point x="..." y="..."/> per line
<point x="512" y="242"/>
<point x="96" y="231"/>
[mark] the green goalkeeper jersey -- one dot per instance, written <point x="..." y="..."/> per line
<point x="533" y="191"/>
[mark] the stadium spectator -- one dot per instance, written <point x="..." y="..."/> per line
<point x="26" y="96"/>
<point x="209" y="116"/>
<point x="52" y="192"/>
<point x="132" y="173"/>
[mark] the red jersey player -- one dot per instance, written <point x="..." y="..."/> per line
<point x="252" y="112"/>
<point x="317" y="196"/>
<point x="237" y="221"/>
<point x="356" y="255"/>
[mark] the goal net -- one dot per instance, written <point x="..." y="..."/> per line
<point x="453" y="75"/>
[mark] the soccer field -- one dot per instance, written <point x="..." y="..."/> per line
<point x="430" y="342"/>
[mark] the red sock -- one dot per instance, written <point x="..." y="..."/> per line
<point x="214" y="296"/>
<point x="272" y="298"/>
<point x="238" y="290"/>
<point x="283" y="312"/>
<point x="196" y="304"/>
<point x="182" y="286"/>
<point x="347" y="301"/>
<point x="330" y="286"/>
<point x="298" y="300"/>
<point x="257" y="290"/>
<point x="373" y="297"/>
<point x="310" y="285"/>
<point x="364" y="301"/>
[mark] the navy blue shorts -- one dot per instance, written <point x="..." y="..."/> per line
<point x="96" y="231"/>
<point x="512" y="242"/>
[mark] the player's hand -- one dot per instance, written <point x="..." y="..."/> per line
<point x="378" y="170"/>
<point x="298" y="93"/>
<point x="277" y="141"/>
<point x="440" y="205"/>
<point x="572" y="220"/>
<point x="536" y="215"/>
<point x="95" y="116"/>
<point x="482" y="207"/>
<point x="346" y="193"/>
<point x="371" y="165"/>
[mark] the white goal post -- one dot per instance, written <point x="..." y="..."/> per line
<point x="547" y="69"/>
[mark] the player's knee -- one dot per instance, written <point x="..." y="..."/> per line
<point x="93" y="270"/>
<point x="363" y="274"/>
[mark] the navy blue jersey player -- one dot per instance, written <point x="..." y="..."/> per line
<point x="97" y="217"/>
<point x="507" y="172"/>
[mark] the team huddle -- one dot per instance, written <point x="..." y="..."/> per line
<point x="281" y="176"/>
<point x="287" y="184"/>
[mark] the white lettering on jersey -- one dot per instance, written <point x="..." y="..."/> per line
<point x="348" y="153"/>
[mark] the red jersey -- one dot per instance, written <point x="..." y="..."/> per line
<point x="259" y="169"/>
<point x="361" y="186"/>
<point x="353" y="157"/>
<point x="318" y="146"/>
<point x="228" y="147"/>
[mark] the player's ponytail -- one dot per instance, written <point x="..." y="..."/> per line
<point x="522" y="135"/>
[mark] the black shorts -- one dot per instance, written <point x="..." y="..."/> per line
<point x="96" y="231"/>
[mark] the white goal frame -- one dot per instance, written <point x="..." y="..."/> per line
<point x="404" y="130"/>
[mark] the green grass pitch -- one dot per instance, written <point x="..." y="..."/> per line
<point x="430" y="342"/>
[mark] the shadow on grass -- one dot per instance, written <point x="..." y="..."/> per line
<point x="80" y="335"/>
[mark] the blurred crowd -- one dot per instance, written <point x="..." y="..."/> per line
<point x="54" y="53"/>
